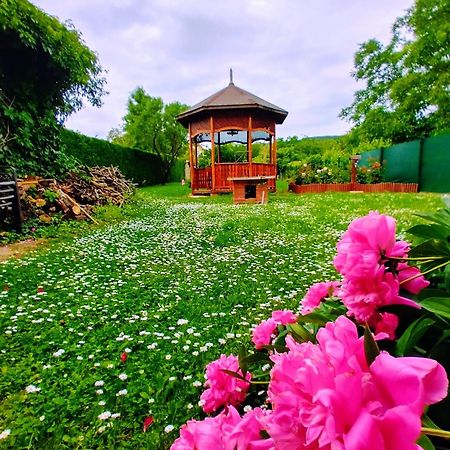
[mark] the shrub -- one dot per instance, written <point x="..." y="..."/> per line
<point x="371" y="174"/>
<point x="141" y="167"/>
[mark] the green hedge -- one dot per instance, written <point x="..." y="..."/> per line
<point x="141" y="167"/>
<point x="177" y="170"/>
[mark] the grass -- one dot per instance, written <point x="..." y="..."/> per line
<point x="173" y="282"/>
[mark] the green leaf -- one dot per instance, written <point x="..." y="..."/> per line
<point x="428" y="423"/>
<point x="278" y="348"/>
<point x="371" y="349"/>
<point x="256" y="357"/>
<point x="430" y="292"/>
<point x="447" y="278"/>
<point x="412" y="335"/>
<point x="299" y="333"/>
<point x="431" y="247"/>
<point x="235" y="375"/>
<point x="432" y="231"/>
<point x="437" y="305"/>
<point x="243" y="365"/>
<point x="316" y="318"/>
<point x="425" y="443"/>
<point x="441" y="216"/>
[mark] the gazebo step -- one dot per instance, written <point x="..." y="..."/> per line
<point x="201" y="192"/>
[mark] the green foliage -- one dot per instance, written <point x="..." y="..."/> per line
<point x="177" y="172"/>
<point x="46" y="73"/>
<point x="373" y="173"/>
<point x="293" y="152"/>
<point x="136" y="165"/>
<point x="313" y="172"/>
<point x="151" y="125"/>
<point x="406" y="81"/>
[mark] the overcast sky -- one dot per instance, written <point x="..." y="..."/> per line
<point x="297" y="54"/>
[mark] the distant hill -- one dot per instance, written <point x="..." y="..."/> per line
<point x="320" y="138"/>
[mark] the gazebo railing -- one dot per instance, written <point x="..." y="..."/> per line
<point x="202" y="178"/>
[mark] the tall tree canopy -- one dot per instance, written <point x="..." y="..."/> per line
<point x="406" y="93"/>
<point x="46" y="72"/>
<point x="151" y="125"/>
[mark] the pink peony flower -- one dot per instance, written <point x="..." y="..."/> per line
<point x="283" y="317"/>
<point x="363" y="296"/>
<point x="325" y="396"/>
<point x="385" y="323"/>
<point x="223" y="389"/>
<point x="316" y="293"/>
<point x="414" y="286"/>
<point x="247" y="434"/>
<point x="262" y="333"/>
<point x="209" y="433"/>
<point x="366" y="242"/>
<point x="226" y="431"/>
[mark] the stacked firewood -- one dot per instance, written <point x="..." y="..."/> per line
<point x="75" y="196"/>
<point x="104" y="185"/>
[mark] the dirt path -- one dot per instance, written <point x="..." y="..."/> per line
<point x="19" y="249"/>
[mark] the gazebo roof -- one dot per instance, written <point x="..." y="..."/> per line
<point x="229" y="98"/>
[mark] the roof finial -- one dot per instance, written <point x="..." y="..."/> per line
<point x="231" y="76"/>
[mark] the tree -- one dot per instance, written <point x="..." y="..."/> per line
<point x="406" y="92"/>
<point x="46" y="73"/>
<point x="151" y="125"/>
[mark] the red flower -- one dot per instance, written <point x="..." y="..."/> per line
<point x="40" y="289"/>
<point x="123" y="356"/>
<point x="147" y="422"/>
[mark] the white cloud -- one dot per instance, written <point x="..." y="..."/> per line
<point x="294" y="53"/>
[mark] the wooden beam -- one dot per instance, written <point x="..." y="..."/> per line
<point x="191" y="159"/>
<point x="274" y="155"/>
<point x="218" y="147"/>
<point x="213" y="156"/>
<point x="250" y="144"/>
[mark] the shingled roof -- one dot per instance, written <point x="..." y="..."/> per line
<point x="232" y="97"/>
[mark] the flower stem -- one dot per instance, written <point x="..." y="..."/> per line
<point x="436" y="432"/>
<point x="418" y="258"/>
<point x="424" y="273"/>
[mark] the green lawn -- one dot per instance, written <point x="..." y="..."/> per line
<point x="174" y="283"/>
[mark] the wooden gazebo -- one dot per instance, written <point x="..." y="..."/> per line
<point x="223" y="130"/>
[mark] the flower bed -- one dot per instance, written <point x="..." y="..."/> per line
<point x="318" y="188"/>
<point x="345" y="373"/>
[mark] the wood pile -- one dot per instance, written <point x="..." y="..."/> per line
<point x="74" y="197"/>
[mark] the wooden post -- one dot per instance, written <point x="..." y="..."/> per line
<point x="250" y="144"/>
<point x="196" y="155"/>
<point x="354" y="159"/>
<point x="274" y="156"/>
<point x="213" y="156"/>
<point x="218" y="146"/>
<point x="191" y="159"/>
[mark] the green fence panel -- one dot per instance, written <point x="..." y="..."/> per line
<point x="368" y="158"/>
<point x="435" y="174"/>
<point x="401" y="162"/>
<point x="426" y="162"/>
